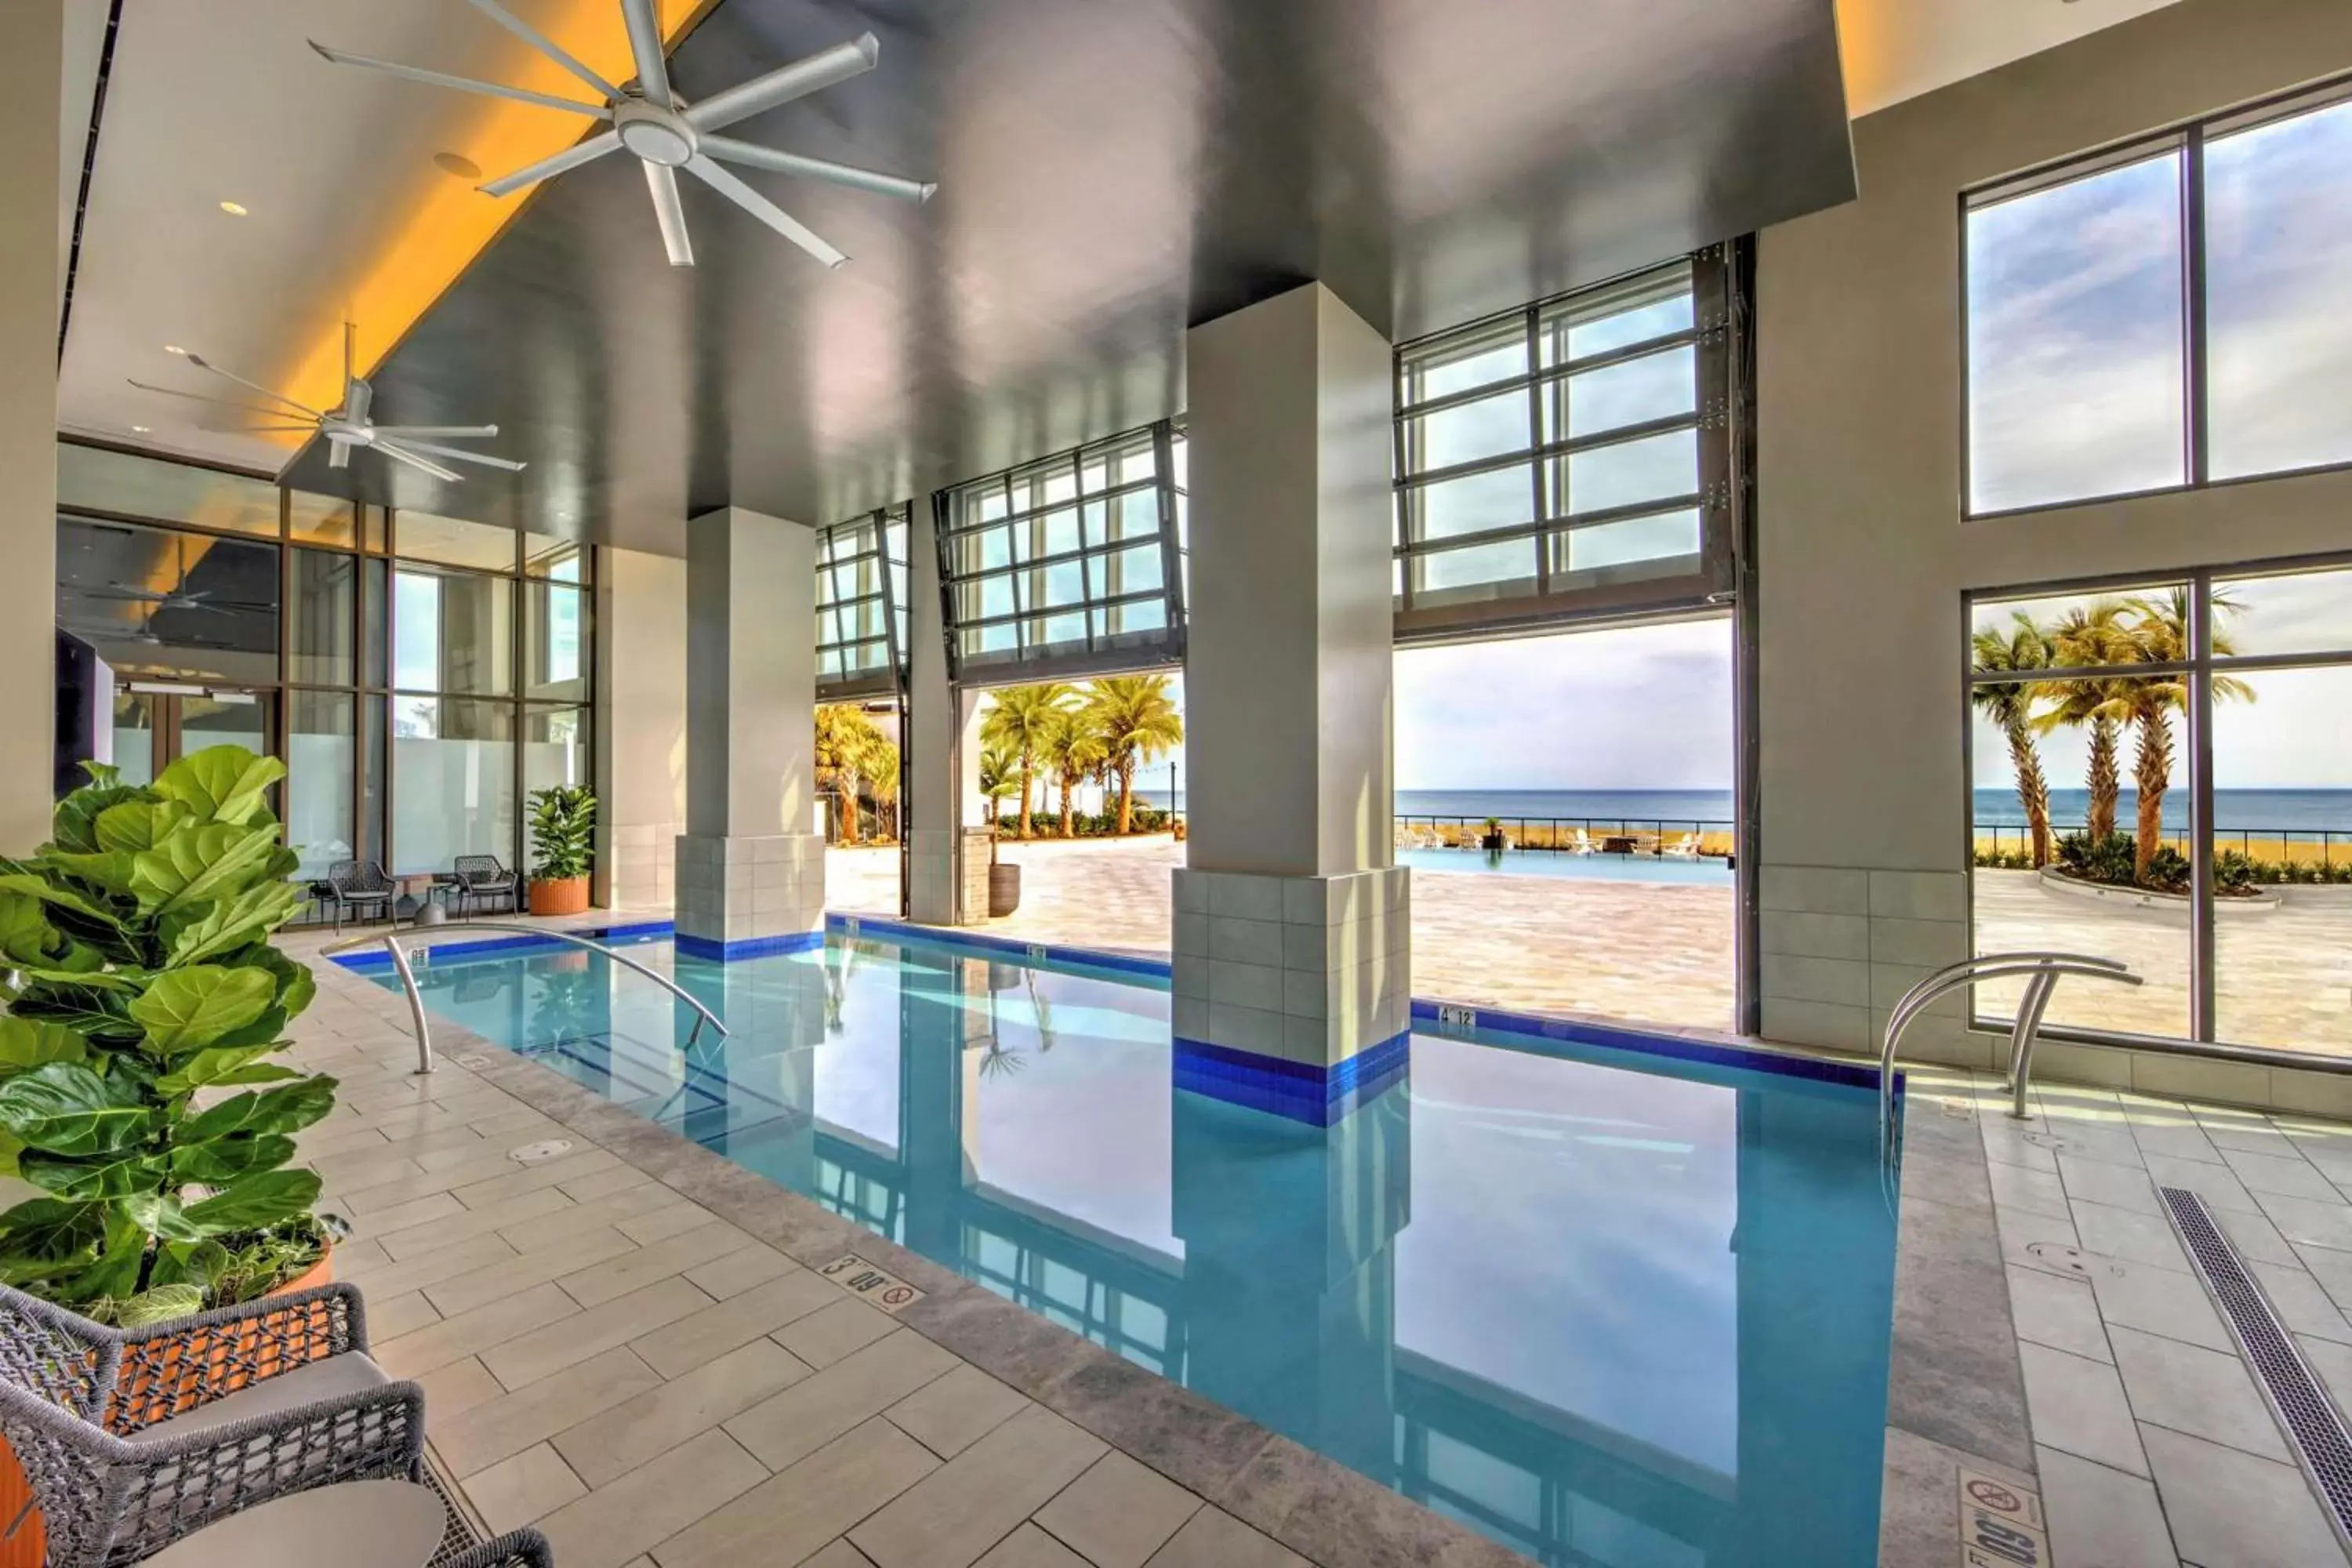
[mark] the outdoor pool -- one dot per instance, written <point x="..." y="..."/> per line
<point x="1711" y="872"/>
<point x="1604" y="1305"/>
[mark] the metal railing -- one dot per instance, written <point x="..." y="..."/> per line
<point x="2045" y="968"/>
<point x="2270" y="845"/>
<point x="391" y="940"/>
<point x="1651" y="836"/>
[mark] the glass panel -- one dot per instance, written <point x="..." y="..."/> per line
<point x="453" y="631"/>
<point x="1469" y="431"/>
<point x="2283" y="847"/>
<point x="375" y="628"/>
<point x="375" y="738"/>
<point x="1059" y="629"/>
<point x="1063" y="584"/>
<point x="2074" y="339"/>
<point x="158" y="602"/>
<point x="2303" y="612"/>
<point x="984" y="600"/>
<point x="1054" y="534"/>
<point x="543" y="555"/>
<point x="1511" y="563"/>
<point x="321" y="750"/>
<point x="1614" y="319"/>
<point x="1656" y="386"/>
<point x="224" y="718"/>
<point x="321" y="633"/>
<point x="1498" y="353"/>
<point x="1472" y="503"/>
<point x="322" y="519"/>
<point x="555" y="748"/>
<point x="985" y="552"/>
<point x="169" y="492"/>
<point x="1130" y="571"/>
<point x="421" y="536"/>
<point x="1668" y="541"/>
<point x="1117" y="620"/>
<point x="555" y="642"/>
<point x="134" y="736"/>
<point x="1655" y="468"/>
<point x="453" y="781"/>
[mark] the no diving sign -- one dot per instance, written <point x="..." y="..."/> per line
<point x="2000" y="1525"/>
<point x="877" y="1286"/>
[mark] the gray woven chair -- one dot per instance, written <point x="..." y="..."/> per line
<point x="484" y="880"/>
<point x="523" y="1549"/>
<point x="361" y="886"/>
<point x="132" y="1438"/>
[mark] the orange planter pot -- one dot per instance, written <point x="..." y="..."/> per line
<point x="27" y="1545"/>
<point x="562" y="896"/>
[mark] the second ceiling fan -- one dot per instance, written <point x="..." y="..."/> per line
<point x="667" y="134"/>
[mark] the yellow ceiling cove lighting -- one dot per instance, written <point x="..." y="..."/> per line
<point x="234" y="209"/>
<point x="450" y="223"/>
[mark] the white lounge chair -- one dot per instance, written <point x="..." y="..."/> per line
<point x="1582" y="844"/>
<point x="1683" y="849"/>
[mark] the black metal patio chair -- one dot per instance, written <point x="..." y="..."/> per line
<point x="359" y="886"/>
<point x="483" y="877"/>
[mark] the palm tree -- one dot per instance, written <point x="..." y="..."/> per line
<point x="847" y="755"/>
<point x="1138" y="725"/>
<point x="882" y="778"/>
<point x="2088" y="636"/>
<point x="2010" y="707"/>
<point x="997" y="767"/>
<point x="1022" y="720"/>
<point x="2159" y="635"/>
<point x="1074" y="750"/>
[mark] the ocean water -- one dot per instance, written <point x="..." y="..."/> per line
<point x="1670" y="806"/>
<point x="2285" y="810"/>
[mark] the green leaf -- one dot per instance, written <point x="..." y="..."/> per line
<point x="136" y="826"/>
<point x="28" y="1043"/>
<point x="115" y="1273"/>
<point x="110" y="869"/>
<point x="158" y="1305"/>
<point x="65" y="1108"/>
<point x="188" y="1009"/>
<point x="49" y="1231"/>
<point x="197" y="865"/>
<point x="196" y="935"/>
<point x="289" y="1107"/>
<point x="225" y="1160"/>
<point x="122" y="1174"/>
<point x="26" y="934"/>
<point x="160" y="1214"/>
<point x="219" y="1065"/>
<point x="33" y="884"/>
<point x="256" y="1201"/>
<point x="296" y="985"/>
<point x="220" y="784"/>
<point x="74" y="825"/>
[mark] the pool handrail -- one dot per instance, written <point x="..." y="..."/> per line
<point x="391" y="940"/>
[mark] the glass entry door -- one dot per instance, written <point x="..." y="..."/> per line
<point x="153" y="727"/>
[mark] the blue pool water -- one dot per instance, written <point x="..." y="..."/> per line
<point x="1603" y="1306"/>
<point x="1706" y="869"/>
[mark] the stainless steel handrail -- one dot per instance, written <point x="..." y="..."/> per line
<point x="2044" y="967"/>
<point x="391" y="940"/>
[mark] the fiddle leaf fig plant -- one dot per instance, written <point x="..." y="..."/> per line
<point x="563" y="832"/>
<point x="137" y="1085"/>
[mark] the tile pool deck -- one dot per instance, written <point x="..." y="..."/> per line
<point x="629" y="1346"/>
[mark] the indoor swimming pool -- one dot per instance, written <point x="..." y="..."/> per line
<point x="1603" y="1305"/>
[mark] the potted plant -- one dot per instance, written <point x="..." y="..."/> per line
<point x="1493" y="838"/>
<point x="563" y="833"/>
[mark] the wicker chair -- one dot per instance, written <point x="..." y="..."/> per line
<point x="132" y="1438"/>
<point x="360" y="885"/>
<point x="523" y="1548"/>
<point x="482" y="877"/>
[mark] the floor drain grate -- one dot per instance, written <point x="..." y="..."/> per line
<point x="535" y="1154"/>
<point x="2312" y="1425"/>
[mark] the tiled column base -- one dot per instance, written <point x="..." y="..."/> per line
<point x="1292" y="994"/>
<point x="645" y="865"/>
<point x="738" y="898"/>
<point x="935" y="894"/>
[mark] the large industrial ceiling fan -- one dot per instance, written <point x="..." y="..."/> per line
<point x="347" y="425"/>
<point x="667" y="134"/>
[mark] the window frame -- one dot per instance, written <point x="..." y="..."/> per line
<point x="2188" y="138"/>
<point x="872" y="552"/>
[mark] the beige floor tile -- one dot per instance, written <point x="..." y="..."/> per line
<point x="478" y="1165"/>
<point x="2255" y="1235"/>
<point x="389" y="1277"/>
<point x="570" y="1218"/>
<point x="366" y="1166"/>
<point x="2289" y="1176"/>
<point x="1215" y="1539"/>
<point x="2333" y="1362"/>
<point x="2158" y="1301"/>
<point x="493" y="1430"/>
<point x="819" y="1408"/>
<point x="451" y="1391"/>
<point x="1120" y="1512"/>
<point x="840" y="1554"/>
<point x="606" y="1184"/>
<point x="529" y="1485"/>
<point x="2129" y="1235"/>
<point x="452" y="1339"/>
<point x="2206" y="1394"/>
<point x="675" y="1217"/>
<point x="953" y="1414"/>
<point x="2309" y="1222"/>
<point x="388" y="1222"/>
<point x="1030" y="1547"/>
<point x="663" y="1259"/>
<point x="952" y="1516"/>
<point x="652" y="1503"/>
<point x="2078" y="1405"/>
<point x="2096" y="1181"/>
<point x="2034" y="1192"/>
<point x="420" y="1239"/>
<point x="391" y="1316"/>
<point x="531" y="1178"/>
<point x="611" y="1444"/>
<point x="2100" y="1518"/>
<point x="526" y="1358"/>
<point x="2217" y="1185"/>
<point x="2230" y="1508"/>
<point x="805" y="1506"/>
<point x="828" y="1334"/>
<point x="711" y="1332"/>
<point x="2051" y="1310"/>
<point x="738" y="1272"/>
<point x="520" y="1271"/>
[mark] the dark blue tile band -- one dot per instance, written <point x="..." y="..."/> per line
<point x="750" y="946"/>
<point x="376" y="961"/>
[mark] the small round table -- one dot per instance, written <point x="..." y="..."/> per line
<point x="353" y="1524"/>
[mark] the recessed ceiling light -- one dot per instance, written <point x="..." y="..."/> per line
<point x="174" y="349"/>
<point x="457" y="163"/>
<point x="139" y="430"/>
<point x="234" y="209"/>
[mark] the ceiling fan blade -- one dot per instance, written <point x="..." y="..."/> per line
<point x="761" y="207"/>
<point x="460" y="430"/>
<point x="462" y="83"/>
<point x="544" y="45"/>
<point x="596" y="147"/>
<point x="670" y="213"/>
<point x="400" y="454"/>
<point x="728" y="150"/>
<point x="358" y="398"/>
<point x="460" y="455"/>
<point x="203" y="363"/>
<point x="339" y="453"/>
<point x="216" y="402"/>
<point x="646" y="49"/>
<point x="784" y="84"/>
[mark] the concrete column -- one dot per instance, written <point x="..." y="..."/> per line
<point x="945" y="751"/>
<point x="28" y="422"/>
<point x="1291" y="920"/>
<point x="751" y="867"/>
<point x="640" y="732"/>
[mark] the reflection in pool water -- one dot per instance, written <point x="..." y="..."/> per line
<point x="1603" y="1307"/>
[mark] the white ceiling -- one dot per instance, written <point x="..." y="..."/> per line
<point x="210" y="102"/>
